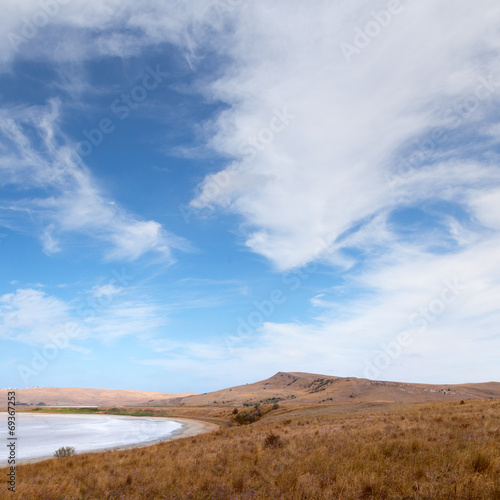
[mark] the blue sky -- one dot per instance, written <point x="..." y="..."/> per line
<point x="195" y="195"/>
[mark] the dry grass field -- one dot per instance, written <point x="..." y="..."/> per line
<point x="439" y="450"/>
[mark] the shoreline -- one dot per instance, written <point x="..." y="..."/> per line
<point x="189" y="428"/>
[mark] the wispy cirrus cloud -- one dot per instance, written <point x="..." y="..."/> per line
<point x="79" y="30"/>
<point x="30" y="316"/>
<point x="389" y="162"/>
<point x="55" y="193"/>
<point x="446" y="306"/>
<point x="328" y="169"/>
<point x="104" y="313"/>
<point x="355" y="124"/>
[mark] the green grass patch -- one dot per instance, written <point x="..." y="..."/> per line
<point x="67" y="410"/>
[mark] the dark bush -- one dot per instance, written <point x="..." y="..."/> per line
<point x="245" y="418"/>
<point x="273" y="441"/>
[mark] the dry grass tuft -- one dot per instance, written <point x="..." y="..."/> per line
<point x="481" y="462"/>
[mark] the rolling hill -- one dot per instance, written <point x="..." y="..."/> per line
<point x="309" y="388"/>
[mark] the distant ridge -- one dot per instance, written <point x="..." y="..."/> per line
<point x="292" y="388"/>
<point x="91" y="397"/>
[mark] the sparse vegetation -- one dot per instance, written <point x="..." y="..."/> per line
<point x="351" y="451"/>
<point x="64" y="451"/>
<point x="267" y="401"/>
<point x="245" y="418"/>
<point x="273" y="441"/>
<point x="271" y="400"/>
<point x="320" y="384"/>
<point x="65" y="410"/>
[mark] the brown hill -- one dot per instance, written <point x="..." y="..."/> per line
<point x="91" y="397"/>
<point x="309" y="388"/>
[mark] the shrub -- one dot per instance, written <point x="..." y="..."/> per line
<point x="273" y="441"/>
<point x="244" y="418"/>
<point x="65" y="451"/>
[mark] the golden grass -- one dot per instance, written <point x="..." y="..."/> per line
<point x="421" y="451"/>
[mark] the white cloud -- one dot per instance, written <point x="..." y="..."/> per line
<point x="329" y="174"/>
<point x="338" y="171"/>
<point x="108" y="290"/>
<point x="105" y="313"/>
<point x="447" y="304"/>
<point x="31" y="316"/>
<point x="79" y="30"/>
<point x="327" y="169"/>
<point x="126" y="317"/>
<point x="73" y="203"/>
